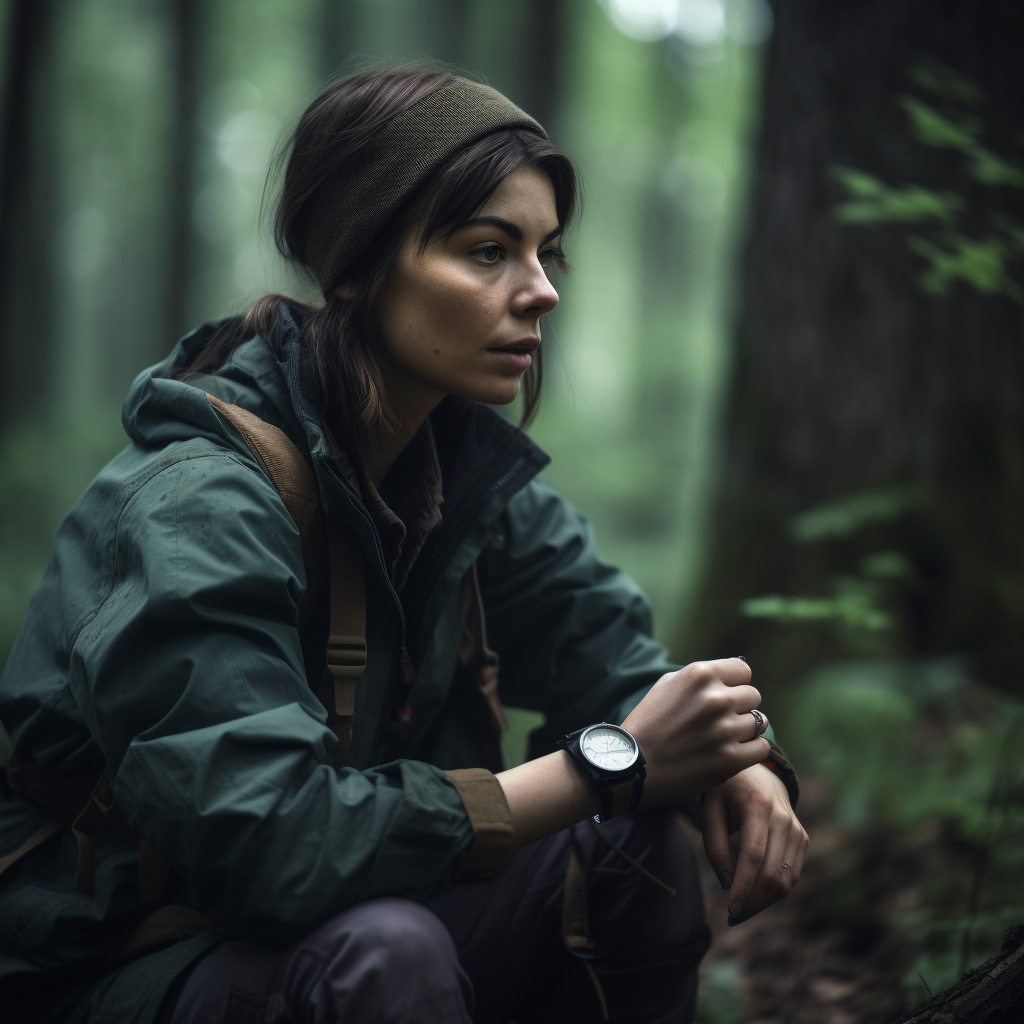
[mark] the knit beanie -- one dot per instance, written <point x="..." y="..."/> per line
<point x="348" y="215"/>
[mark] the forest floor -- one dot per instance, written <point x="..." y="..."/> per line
<point x="830" y="953"/>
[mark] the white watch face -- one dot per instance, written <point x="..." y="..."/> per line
<point x="609" y="748"/>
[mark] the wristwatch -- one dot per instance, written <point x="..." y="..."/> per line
<point x="609" y="757"/>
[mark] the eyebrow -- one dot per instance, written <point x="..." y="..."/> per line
<point x="510" y="229"/>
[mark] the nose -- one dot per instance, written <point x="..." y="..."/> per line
<point x="536" y="294"/>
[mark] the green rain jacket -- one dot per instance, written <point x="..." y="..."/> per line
<point x="163" y="641"/>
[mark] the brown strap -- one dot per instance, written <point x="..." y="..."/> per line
<point x="100" y="809"/>
<point x="576" y="908"/>
<point x="474" y="652"/>
<point x="346" y="644"/>
<point x="576" y="922"/>
<point x="85" y="804"/>
<point x="281" y="461"/>
<point x="169" y="924"/>
<point x="153" y="874"/>
<point x="51" y="828"/>
<point x="296" y="483"/>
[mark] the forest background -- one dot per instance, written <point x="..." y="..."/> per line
<point x="784" y="382"/>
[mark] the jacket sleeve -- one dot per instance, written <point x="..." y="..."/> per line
<point x="573" y="633"/>
<point x="191" y="678"/>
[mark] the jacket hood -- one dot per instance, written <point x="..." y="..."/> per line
<point x="160" y="409"/>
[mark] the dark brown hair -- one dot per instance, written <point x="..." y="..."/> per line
<point x="339" y="337"/>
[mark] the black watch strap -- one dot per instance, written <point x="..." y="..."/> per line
<point x="604" y="781"/>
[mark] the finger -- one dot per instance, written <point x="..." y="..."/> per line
<point x="802" y="843"/>
<point x="747" y="727"/>
<point x="752" y="847"/>
<point x="732" y="671"/>
<point x="740" y="698"/>
<point x="772" y="883"/>
<point x="741" y="754"/>
<point x="793" y="863"/>
<point x="714" y="822"/>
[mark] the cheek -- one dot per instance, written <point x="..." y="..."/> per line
<point x="444" y="318"/>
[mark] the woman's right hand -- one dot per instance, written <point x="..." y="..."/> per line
<point x="695" y="730"/>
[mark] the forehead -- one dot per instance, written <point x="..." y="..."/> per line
<point x="525" y="195"/>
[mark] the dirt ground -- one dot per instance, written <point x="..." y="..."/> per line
<point x="825" y="955"/>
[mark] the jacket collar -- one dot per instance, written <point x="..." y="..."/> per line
<point x="484" y="461"/>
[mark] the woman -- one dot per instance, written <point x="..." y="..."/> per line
<point x="256" y="838"/>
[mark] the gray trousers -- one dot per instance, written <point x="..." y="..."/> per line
<point x="489" y="952"/>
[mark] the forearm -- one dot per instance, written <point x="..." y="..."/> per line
<point x="549" y="794"/>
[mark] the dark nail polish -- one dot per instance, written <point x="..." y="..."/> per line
<point x="736" y="909"/>
<point x="741" y="658"/>
<point x="731" y="921"/>
<point x="725" y="877"/>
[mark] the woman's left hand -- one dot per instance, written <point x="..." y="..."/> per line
<point x="753" y="839"/>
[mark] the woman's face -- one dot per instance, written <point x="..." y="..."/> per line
<point x="463" y="315"/>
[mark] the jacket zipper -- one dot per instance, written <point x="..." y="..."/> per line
<point x="470" y="513"/>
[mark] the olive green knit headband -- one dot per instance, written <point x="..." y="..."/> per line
<point x="351" y="212"/>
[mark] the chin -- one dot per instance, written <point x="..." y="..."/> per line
<point x="492" y="392"/>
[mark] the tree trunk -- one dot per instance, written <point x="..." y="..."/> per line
<point x="990" y="994"/>
<point x="543" y="49"/>
<point x="849" y="377"/>
<point x="186" y="35"/>
<point x="24" y="214"/>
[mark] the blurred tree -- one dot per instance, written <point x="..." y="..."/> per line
<point x="186" y="39"/>
<point x="875" y="433"/>
<point x="24" y="208"/>
<point x="543" y="48"/>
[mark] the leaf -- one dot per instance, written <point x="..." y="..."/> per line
<point x="981" y="263"/>
<point x="874" y="201"/>
<point x="844" y="517"/>
<point x="941" y="80"/>
<point x="933" y="129"/>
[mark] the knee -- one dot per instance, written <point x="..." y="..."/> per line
<point x="389" y="961"/>
<point x="401" y="937"/>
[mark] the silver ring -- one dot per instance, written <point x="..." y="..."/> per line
<point x="787" y="865"/>
<point x="760" y="724"/>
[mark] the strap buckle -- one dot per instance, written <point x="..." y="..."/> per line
<point x="346" y="656"/>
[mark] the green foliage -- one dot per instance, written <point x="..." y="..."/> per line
<point x="918" y="750"/>
<point x="984" y="263"/>
<point x="842" y="518"/>
<point x="721" y="1000"/>
<point x="963" y="239"/>
<point x="856" y="602"/>
<point x="933" y="129"/>
<point x="853" y="606"/>
<point x="875" y="201"/>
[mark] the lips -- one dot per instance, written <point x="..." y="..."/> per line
<point x="522" y="347"/>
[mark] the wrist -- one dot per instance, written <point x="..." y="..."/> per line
<point x="609" y="759"/>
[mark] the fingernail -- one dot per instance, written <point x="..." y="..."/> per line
<point x="741" y="658"/>
<point x="725" y="877"/>
<point x="735" y="910"/>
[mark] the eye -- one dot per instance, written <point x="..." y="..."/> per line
<point x="488" y="255"/>
<point x="553" y="257"/>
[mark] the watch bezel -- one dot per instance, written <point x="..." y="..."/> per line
<point x="629" y="769"/>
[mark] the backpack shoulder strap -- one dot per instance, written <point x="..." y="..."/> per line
<point x="295" y="482"/>
<point x="281" y="461"/>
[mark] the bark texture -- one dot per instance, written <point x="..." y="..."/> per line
<point x="990" y="994"/>
<point x="25" y="208"/>
<point x="848" y="377"/>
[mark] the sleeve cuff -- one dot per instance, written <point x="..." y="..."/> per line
<point x="485" y="803"/>
<point x="779" y="763"/>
